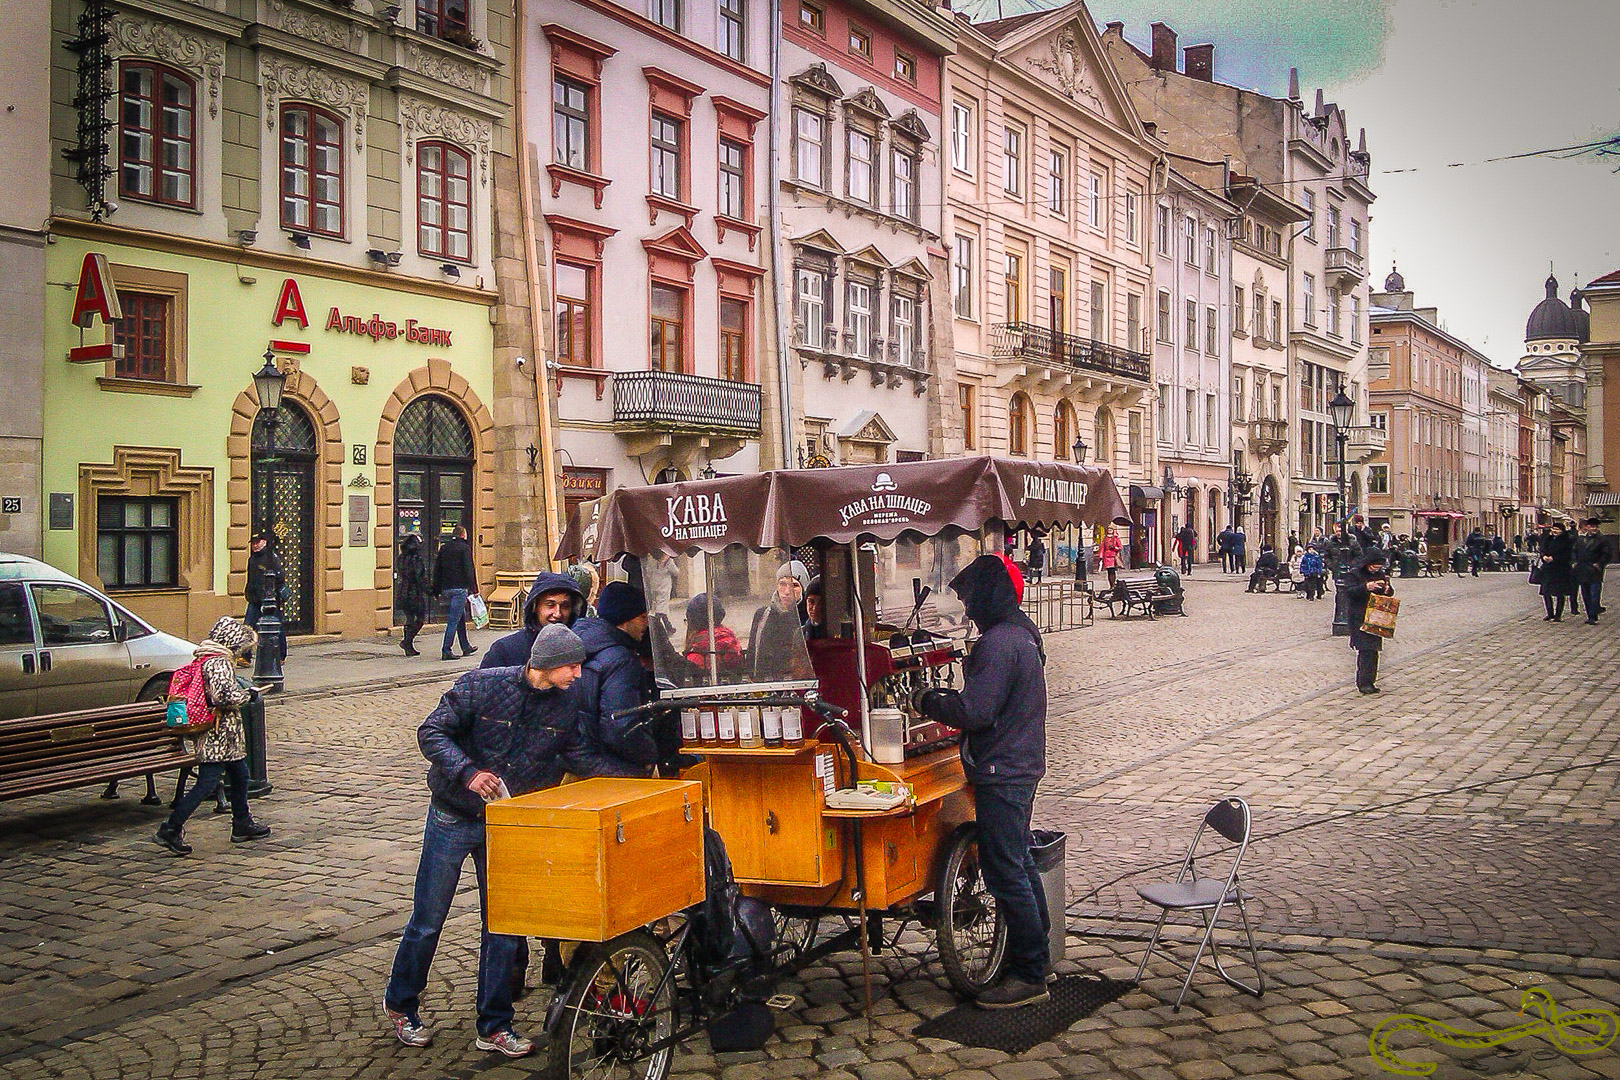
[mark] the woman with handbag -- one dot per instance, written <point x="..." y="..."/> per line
<point x="1557" y="583"/>
<point x="1370" y="576"/>
<point x="221" y="750"/>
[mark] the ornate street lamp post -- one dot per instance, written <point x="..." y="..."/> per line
<point x="1341" y="410"/>
<point x="268" y="381"/>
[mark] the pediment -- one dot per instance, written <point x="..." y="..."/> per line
<point x="871" y="256"/>
<point x="867" y="101"/>
<point x="820" y="240"/>
<point x="1068" y="58"/>
<point x="911" y="125"/>
<point x="867" y="426"/>
<point x="678" y="242"/>
<point x="913" y="268"/>
<point x="817" y="80"/>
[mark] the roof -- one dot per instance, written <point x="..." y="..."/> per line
<point x="1611" y="278"/>
<point x="1553" y="319"/>
<point x="996" y="29"/>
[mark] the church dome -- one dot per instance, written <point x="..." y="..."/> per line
<point x="1394" y="282"/>
<point x="1553" y="319"/>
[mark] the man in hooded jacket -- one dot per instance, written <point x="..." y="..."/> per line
<point x="613" y="680"/>
<point x="553" y="598"/>
<point x="1001" y="710"/>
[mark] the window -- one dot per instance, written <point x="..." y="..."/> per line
<point x="1309" y="299"/>
<point x="1212" y="262"/>
<point x="16" y="623"/>
<point x="144" y="334"/>
<point x="570" y="123"/>
<point x="1379" y="420"/>
<point x="1012" y="160"/>
<point x="1133" y="213"/>
<point x="966" y="400"/>
<point x="1133" y="420"/>
<point x="1189" y="240"/>
<point x="1057" y="195"/>
<point x="812" y="313"/>
<point x="575" y="319"/>
<point x="1062" y="431"/>
<point x="442" y="18"/>
<point x="666" y="157"/>
<point x="1133" y="320"/>
<point x="1259" y="316"/>
<point x="733" y="156"/>
<point x="1162" y="224"/>
<point x="1334" y="312"/>
<point x="961" y="137"/>
<point x="1333" y="226"/>
<point x="1164" y="316"/>
<point x="668" y="329"/>
<point x="1095" y="212"/>
<point x="860" y="43"/>
<point x="1355" y="320"/>
<point x="1237" y="399"/>
<point x="1212" y="336"/>
<point x="905" y="66"/>
<point x="1163" y="418"/>
<point x="443" y="202"/>
<point x="137" y="546"/>
<point x="1190" y="341"/>
<point x="1276" y="322"/>
<point x="667" y="13"/>
<point x="1276" y="402"/>
<point x="1378" y="480"/>
<point x="311" y="171"/>
<point x="904" y="183"/>
<point x="809" y="132"/>
<point x="1015" y="287"/>
<point x="71" y="616"/>
<point x="962" y="276"/>
<point x="858" y="328"/>
<point x="1355" y="236"/>
<point x="1099" y="310"/>
<point x="733" y="339"/>
<point x="1190" y="431"/>
<point x="905" y="329"/>
<point x="1212" y="417"/>
<point x="1307" y="199"/>
<point x="156" y="137"/>
<point x="1240" y="311"/>
<point x="859" y="180"/>
<point x="1057" y="298"/>
<point x="1018" y="425"/>
<point x="732" y="28"/>
<point x="812" y="16"/>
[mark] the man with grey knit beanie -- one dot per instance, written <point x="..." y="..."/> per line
<point x="497" y="732"/>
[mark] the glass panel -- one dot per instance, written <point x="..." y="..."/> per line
<point x="161" y="559"/>
<point x="15" y="626"/>
<point x="432" y="427"/>
<point x="70" y="616"/>
<point x="452" y="488"/>
<point x="109" y="513"/>
<point x="107" y="549"/>
<point x="162" y="514"/>
<point x="295" y="432"/>
<point x="134" y="559"/>
<point x="409" y="485"/>
<point x="134" y="514"/>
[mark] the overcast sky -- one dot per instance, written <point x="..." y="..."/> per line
<point x="1436" y="82"/>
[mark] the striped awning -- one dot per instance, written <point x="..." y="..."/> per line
<point x="1603" y="498"/>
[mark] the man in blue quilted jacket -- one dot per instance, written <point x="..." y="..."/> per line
<point x="496" y="731"/>
<point x="613" y="680"/>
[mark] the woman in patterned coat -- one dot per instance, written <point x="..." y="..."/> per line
<point x="221" y="752"/>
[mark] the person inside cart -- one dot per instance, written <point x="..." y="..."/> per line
<point x="497" y="731"/>
<point x="1001" y="711"/>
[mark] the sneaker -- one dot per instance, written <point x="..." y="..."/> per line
<point x="507" y="1042"/>
<point x="408" y="1027"/>
<point x="173" y="839"/>
<point x="1013" y="994"/>
<point x="251" y="831"/>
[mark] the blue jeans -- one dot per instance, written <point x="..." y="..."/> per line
<point x="447" y="840"/>
<point x="208" y="777"/>
<point x="1003" y="812"/>
<point x="1592" y="597"/>
<point x="456" y="621"/>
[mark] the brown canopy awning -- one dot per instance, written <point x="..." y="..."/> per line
<point x="789" y="508"/>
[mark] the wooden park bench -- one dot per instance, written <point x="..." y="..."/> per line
<point x="507" y="598"/>
<point x="41" y="754"/>
<point x="1144" y="596"/>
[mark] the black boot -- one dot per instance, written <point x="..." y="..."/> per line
<point x="243" y="831"/>
<point x="173" y="839"/>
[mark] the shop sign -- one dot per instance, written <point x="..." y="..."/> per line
<point x="290" y="308"/>
<point x="95" y="297"/>
<point x="584" y="483"/>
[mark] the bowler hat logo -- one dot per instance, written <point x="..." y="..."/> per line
<point x="884" y="482"/>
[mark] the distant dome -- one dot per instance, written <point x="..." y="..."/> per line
<point x="1394" y="283"/>
<point x="1553" y="319"/>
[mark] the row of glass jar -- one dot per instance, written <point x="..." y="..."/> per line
<point x="743" y="726"/>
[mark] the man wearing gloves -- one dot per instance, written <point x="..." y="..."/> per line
<point x="497" y="731"/>
<point x="612" y="681"/>
<point x="1001" y="710"/>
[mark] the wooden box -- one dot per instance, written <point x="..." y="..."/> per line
<point x="589" y="861"/>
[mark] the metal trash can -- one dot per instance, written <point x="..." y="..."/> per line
<point x="1050" y="849"/>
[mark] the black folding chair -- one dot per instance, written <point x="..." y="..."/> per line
<point x="1207" y="896"/>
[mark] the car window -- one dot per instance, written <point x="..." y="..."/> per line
<point x="133" y="627"/>
<point x="69" y="616"/>
<point x="15" y="627"/>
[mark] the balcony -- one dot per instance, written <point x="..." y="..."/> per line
<point x="667" y="401"/>
<point x="1366" y="442"/>
<point x="1268" y="437"/>
<point x="1347" y="266"/>
<point x="1023" y="342"/>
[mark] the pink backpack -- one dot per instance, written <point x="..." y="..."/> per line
<point x="189" y="713"/>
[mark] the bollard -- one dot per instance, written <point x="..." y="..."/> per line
<point x="253" y="728"/>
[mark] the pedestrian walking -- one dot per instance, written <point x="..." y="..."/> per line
<point x="1313" y="572"/>
<point x="412" y="582"/>
<point x="658" y="582"/>
<point x="455" y="579"/>
<point x="497" y="731"/>
<point x="1240" y="555"/>
<point x="222" y="751"/>
<point x="1037" y="556"/>
<point x="261" y="558"/>
<point x="774" y="635"/>
<point x="552" y="598"/>
<point x="1223" y="545"/>
<point x="1108" y="554"/>
<point x="1557" y="584"/>
<point x="1370" y="576"/>
<point x="1294" y="546"/>
<point x="1001" y="710"/>
<point x="1589" y="556"/>
<point x="1477" y="546"/>
<point x="1187" y="547"/>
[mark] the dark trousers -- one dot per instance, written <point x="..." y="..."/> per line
<point x="1003" y="812"/>
<point x="1186" y="564"/>
<point x="208" y="777"/>
<point x="1366" y="668"/>
<point x="1554" y="603"/>
<point x="1240" y="561"/>
<point x="1592" y="597"/>
<point x="1226" y="561"/>
<point x="1112" y="575"/>
<point x="413" y="626"/>
<point x="1315" y="586"/>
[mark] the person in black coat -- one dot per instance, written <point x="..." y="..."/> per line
<point x="1589" y="557"/>
<point x="1371" y="575"/>
<point x="1223" y="545"/>
<point x="1265" y="569"/>
<point x="612" y="681"/>
<point x="413" y="582"/>
<point x="455" y="578"/>
<point x="1557" y="584"/>
<point x="261" y="558"/>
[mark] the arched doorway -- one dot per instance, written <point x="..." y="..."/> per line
<point x="1212" y="503"/>
<point x="1269" y="511"/>
<point x="433" y="467"/>
<point x="283" y="483"/>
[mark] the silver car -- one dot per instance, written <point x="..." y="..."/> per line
<point x="65" y="646"/>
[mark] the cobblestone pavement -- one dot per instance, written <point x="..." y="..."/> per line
<point x="1433" y="850"/>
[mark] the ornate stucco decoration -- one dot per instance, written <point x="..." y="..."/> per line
<point x="425" y="120"/>
<point x="1067" y="65"/>
<point x="290" y="19"/>
<point x="284" y="79"/>
<point x="439" y="68"/>
<point x="134" y="36"/>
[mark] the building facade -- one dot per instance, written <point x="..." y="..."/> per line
<point x="1553" y="337"/>
<point x="305" y="182"/>
<point x="1049" y="233"/>
<point x="1600" y="354"/>
<point x="1476" y="506"/>
<point x="1504" y="410"/>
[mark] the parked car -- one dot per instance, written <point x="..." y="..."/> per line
<point x="65" y="646"/>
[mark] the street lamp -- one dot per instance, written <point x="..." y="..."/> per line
<point x="708" y="471"/>
<point x="1341" y="410"/>
<point x="269" y="381"/>
<point x="1080" y="449"/>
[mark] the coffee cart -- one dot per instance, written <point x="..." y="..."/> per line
<point x="879" y="544"/>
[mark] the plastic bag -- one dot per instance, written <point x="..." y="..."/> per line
<point x="477" y="612"/>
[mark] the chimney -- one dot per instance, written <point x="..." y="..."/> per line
<point x="1164" y="48"/>
<point x="1199" y="61"/>
<point x="1293" y="84"/>
<point x="1321" y="106"/>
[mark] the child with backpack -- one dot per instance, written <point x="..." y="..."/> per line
<point x="1314" y="572"/>
<point x="211" y="688"/>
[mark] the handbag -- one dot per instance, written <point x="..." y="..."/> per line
<point x="477" y="611"/>
<point x="1380" y="617"/>
<point x="1535" y="573"/>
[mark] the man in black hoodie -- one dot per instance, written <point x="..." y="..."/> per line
<point x="553" y="598"/>
<point x="1001" y="709"/>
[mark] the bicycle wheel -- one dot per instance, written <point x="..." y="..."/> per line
<point x="615" y="1011"/>
<point x="795" y="933"/>
<point x="971" y="933"/>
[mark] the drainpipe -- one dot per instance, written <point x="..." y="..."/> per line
<point x="773" y="207"/>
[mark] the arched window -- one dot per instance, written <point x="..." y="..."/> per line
<point x="1018" y="425"/>
<point x="311" y="170"/>
<point x="1063" y="431"/>
<point x="1104" y="425"/>
<point x="443" y="201"/>
<point x="157" y="138"/>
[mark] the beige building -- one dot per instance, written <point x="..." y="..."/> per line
<point x="1600" y="354"/>
<point x="1049" y="232"/>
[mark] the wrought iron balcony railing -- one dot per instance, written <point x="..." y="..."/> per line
<point x="1024" y="341"/>
<point x="664" y="399"/>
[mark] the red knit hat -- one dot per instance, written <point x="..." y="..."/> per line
<point x="1016" y="575"/>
